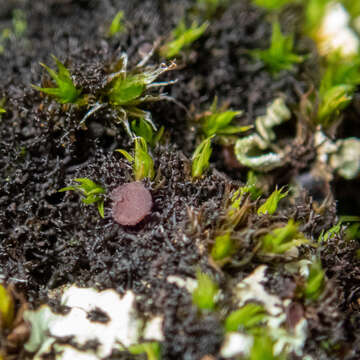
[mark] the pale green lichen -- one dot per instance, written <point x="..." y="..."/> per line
<point x="250" y="150"/>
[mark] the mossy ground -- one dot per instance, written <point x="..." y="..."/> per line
<point x="49" y="239"/>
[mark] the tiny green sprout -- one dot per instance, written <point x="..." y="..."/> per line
<point x="314" y="13"/>
<point x="143" y="164"/>
<point x="337" y="87"/>
<point x="280" y="55"/>
<point x="65" y="92"/>
<point x="336" y="229"/>
<point x="263" y="348"/>
<point x="151" y="349"/>
<point x="223" y="247"/>
<point x="332" y="102"/>
<point x="315" y="282"/>
<point x="236" y="199"/>
<point x="236" y="210"/>
<point x="210" y="7"/>
<point x="271" y="203"/>
<point x="251" y="186"/>
<point x="143" y="129"/>
<point x="127" y="90"/>
<point x="2" y="111"/>
<point x="19" y="22"/>
<point x="272" y="4"/>
<point x="204" y="296"/>
<point x="353" y="232"/>
<point x="7" y="308"/>
<point x="352" y="7"/>
<point x="247" y="317"/>
<point x="92" y="193"/>
<point x="216" y="121"/>
<point x="183" y="37"/>
<point x="117" y="26"/>
<point x="282" y="239"/>
<point x="201" y="157"/>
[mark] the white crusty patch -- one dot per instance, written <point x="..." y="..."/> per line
<point x="189" y="284"/>
<point x="122" y="329"/>
<point x="252" y="289"/>
<point x="236" y="344"/>
<point x="335" y="33"/>
<point x="153" y="329"/>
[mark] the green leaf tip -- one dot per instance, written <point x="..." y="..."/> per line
<point x="272" y="5"/>
<point x="90" y="191"/>
<point x="117" y="25"/>
<point x="209" y="8"/>
<point x="151" y="349"/>
<point x="283" y="239"/>
<point x="315" y="282"/>
<point x="271" y="203"/>
<point x="280" y="55"/>
<point x="217" y="121"/>
<point x="143" y="164"/>
<point x="7" y="307"/>
<point x="65" y="92"/>
<point x="337" y="87"/>
<point x="223" y="247"/>
<point x="248" y="316"/>
<point x="201" y="157"/>
<point x="204" y="296"/>
<point x="263" y="348"/>
<point x="143" y="129"/>
<point x="183" y="37"/>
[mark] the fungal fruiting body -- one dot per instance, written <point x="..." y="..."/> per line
<point x="131" y="203"/>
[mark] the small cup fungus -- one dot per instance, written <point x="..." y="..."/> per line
<point x="131" y="203"/>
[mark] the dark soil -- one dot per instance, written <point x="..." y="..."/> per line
<point x="49" y="239"/>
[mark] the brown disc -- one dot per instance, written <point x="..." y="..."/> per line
<point x="131" y="203"/>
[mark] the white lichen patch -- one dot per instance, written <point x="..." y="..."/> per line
<point x="245" y="147"/>
<point x="189" y="284"/>
<point x="342" y="156"/>
<point x="251" y="289"/>
<point x="236" y="344"/>
<point x="67" y="352"/>
<point x="120" y="326"/>
<point x="335" y="33"/>
<point x="153" y="329"/>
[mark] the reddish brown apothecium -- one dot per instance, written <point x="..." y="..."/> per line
<point x="131" y="203"/>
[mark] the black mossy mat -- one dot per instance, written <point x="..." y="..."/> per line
<point x="50" y="239"/>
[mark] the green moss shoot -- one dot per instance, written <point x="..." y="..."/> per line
<point x="280" y="55"/>
<point x="91" y="192"/>
<point x="205" y="293"/>
<point x="65" y="92"/>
